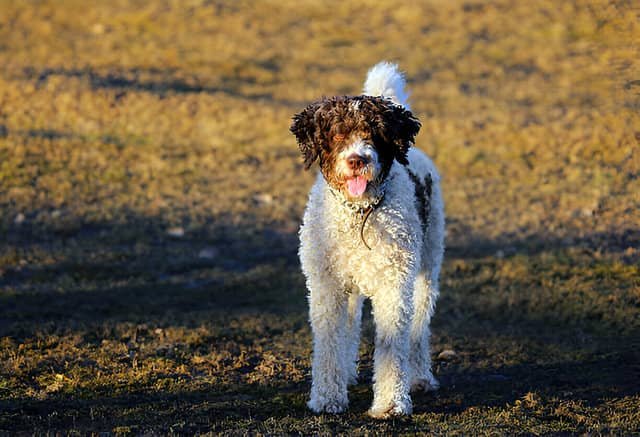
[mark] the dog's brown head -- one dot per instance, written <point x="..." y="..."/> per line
<point x="355" y="140"/>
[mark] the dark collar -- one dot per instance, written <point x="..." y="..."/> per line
<point x="364" y="208"/>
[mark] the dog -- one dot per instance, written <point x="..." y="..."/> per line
<point x="373" y="228"/>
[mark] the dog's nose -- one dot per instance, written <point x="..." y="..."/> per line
<point x="356" y="162"/>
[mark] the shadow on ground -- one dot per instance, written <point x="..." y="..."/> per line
<point x="143" y="276"/>
<point x="140" y="270"/>
<point x="160" y="82"/>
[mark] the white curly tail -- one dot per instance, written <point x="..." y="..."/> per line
<point x="384" y="79"/>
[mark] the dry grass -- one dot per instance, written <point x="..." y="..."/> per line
<point x="150" y="195"/>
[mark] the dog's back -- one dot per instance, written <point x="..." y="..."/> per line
<point x="386" y="80"/>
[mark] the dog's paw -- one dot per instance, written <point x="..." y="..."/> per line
<point x="331" y="406"/>
<point x="390" y="410"/>
<point x="430" y="383"/>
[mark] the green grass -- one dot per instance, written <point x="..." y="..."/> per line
<point x="150" y="195"/>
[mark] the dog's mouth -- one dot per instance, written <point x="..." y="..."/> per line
<point x="356" y="182"/>
<point x="357" y="185"/>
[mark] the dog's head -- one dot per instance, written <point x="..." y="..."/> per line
<point x="355" y="140"/>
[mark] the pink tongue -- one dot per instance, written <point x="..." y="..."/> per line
<point x="356" y="186"/>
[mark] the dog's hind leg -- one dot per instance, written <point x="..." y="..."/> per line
<point x="353" y="336"/>
<point x="424" y="297"/>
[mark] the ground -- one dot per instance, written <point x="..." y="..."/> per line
<point x="151" y="195"/>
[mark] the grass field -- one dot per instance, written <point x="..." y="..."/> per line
<point x="150" y="195"/>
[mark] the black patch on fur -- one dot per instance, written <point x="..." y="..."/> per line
<point x="322" y="127"/>
<point x="423" y="197"/>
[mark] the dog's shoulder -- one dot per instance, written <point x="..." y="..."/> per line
<point x="421" y="165"/>
<point x="325" y="218"/>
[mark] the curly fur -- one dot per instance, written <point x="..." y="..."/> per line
<point x="323" y="124"/>
<point x="405" y="232"/>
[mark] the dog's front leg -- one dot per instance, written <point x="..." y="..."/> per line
<point x="328" y="311"/>
<point x="392" y="312"/>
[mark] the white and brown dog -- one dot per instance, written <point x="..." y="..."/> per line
<point x="373" y="227"/>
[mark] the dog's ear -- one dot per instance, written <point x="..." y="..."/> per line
<point x="305" y="128"/>
<point x="395" y="126"/>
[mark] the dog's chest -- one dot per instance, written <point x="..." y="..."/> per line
<point x="349" y="239"/>
<point x="361" y="268"/>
